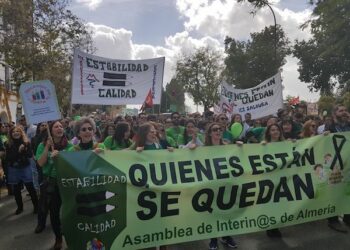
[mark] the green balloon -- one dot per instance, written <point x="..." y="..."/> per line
<point x="236" y="129"/>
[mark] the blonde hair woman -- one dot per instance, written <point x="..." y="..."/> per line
<point x="18" y="159"/>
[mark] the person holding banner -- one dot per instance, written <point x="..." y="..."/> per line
<point x="341" y="123"/>
<point x="53" y="143"/>
<point x="223" y="120"/>
<point x="147" y="138"/>
<point x="273" y="133"/>
<point x="256" y="135"/>
<point x="164" y="140"/>
<point x="190" y="138"/>
<point x="309" y="129"/>
<point x="108" y="130"/>
<point x="85" y="129"/>
<point x="120" y="139"/>
<point x="213" y="137"/>
<point x="18" y="158"/>
<point x="287" y="128"/>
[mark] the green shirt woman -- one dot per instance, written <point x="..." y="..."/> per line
<point x="120" y="139"/>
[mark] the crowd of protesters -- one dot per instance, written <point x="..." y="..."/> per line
<point x="27" y="151"/>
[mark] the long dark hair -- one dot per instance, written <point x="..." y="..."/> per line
<point x="291" y="134"/>
<point x="208" y="141"/>
<point x="120" y="130"/>
<point x="62" y="144"/>
<point x="39" y="137"/>
<point x="105" y="131"/>
<point x="186" y="137"/>
<point x="142" y="134"/>
<point x="233" y="119"/>
<point x="267" y="132"/>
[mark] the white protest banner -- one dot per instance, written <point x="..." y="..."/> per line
<point x="39" y="101"/>
<point x="98" y="80"/>
<point x="262" y="100"/>
<point x="225" y="106"/>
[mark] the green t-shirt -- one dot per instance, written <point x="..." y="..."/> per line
<point x="94" y="146"/>
<point x="259" y="133"/>
<point x="3" y="138"/>
<point x="175" y="132"/>
<point x="297" y="128"/>
<point x="113" y="145"/>
<point x="49" y="168"/>
<point x="227" y="137"/>
<point x="171" y="141"/>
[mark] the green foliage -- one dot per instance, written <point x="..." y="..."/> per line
<point x="326" y="102"/>
<point x="248" y="63"/>
<point x="346" y="100"/>
<point x="200" y="76"/>
<point x="325" y="59"/>
<point x="161" y="108"/>
<point x="175" y="95"/>
<point x="38" y="41"/>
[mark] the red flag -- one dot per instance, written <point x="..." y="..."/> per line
<point x="294" y="101"/>
<point x="148" y="103"/>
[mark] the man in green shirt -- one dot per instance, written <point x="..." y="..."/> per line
<point x="176" y="130"/>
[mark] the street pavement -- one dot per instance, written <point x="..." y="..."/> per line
<point x="17" y="233"/>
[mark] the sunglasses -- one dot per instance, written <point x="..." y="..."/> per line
<point x="85" y="129"/>
<point x="223" y="119"/>
<point x="176" y="117"/>
<point x="216" y="129"/>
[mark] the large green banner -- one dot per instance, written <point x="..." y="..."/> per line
<point x="130" y="200"/>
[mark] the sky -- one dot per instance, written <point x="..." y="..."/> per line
<point x="140" y="29"/>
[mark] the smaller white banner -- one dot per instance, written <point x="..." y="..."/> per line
<point x="262" y="100"/>
<point x="312" y="108"/>
<point x="39" y="101"/>
<point x="104" y="81"/>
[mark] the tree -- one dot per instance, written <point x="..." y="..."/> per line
<point x="326" y="103"/>
<point x="257" y="3"/>
<point x="325" y="58"/>
<point x="175" y="95"/>
<point x="200" y="75"/>
<point x="38" y="39"/>
<point x="248" y="63"/>
<point x="346" y="100"/>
